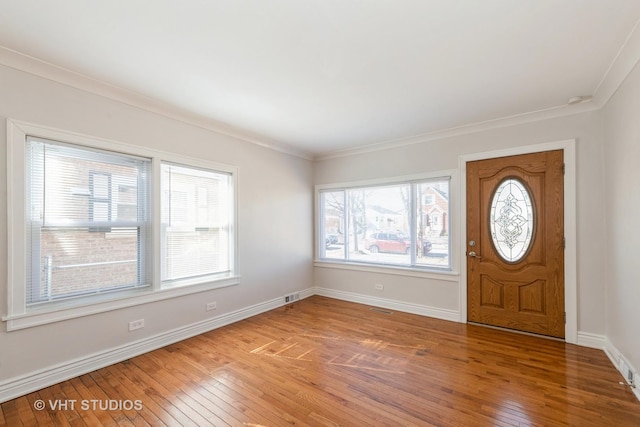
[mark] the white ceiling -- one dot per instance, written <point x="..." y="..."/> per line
<point x="320" y="76"/>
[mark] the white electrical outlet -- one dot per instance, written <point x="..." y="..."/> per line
<point x="210" y="306"/>
<point x="136" y="324"/>
<point x="379" y="287"/>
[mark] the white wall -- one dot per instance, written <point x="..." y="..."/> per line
<point x="442" y="154"/>
<point x="622" y="231"/>
<point x="274" y="222"/>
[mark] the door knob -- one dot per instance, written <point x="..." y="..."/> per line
<point x="472" y="254"/>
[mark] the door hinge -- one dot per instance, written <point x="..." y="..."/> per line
<point x="565" y="317"/>
<point x="564" y="243"/>
<point x="563" y="169"/>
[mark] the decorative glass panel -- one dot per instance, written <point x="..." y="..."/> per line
<point x="512" y="220"/>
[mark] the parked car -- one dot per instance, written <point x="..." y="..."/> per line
<point x="384" y="241"/>
<point x="393" y="242"/>
<point x="330" y="239"/>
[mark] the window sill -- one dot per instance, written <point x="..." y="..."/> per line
<point x="104" y="303"/>
<point x="445" y="275"/>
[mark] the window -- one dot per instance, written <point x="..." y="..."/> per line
<point x="195" y="223"/>
<point x="71" y="251"/>
<point x="83" y="224"/>
<point x="400" y="224"/>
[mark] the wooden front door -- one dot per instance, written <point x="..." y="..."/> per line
<point x="515" y="242"/>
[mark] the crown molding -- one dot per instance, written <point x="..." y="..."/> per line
<point x="534" y="116"/>
<point x="19" y="61"/>
<point x="622" y="65"/>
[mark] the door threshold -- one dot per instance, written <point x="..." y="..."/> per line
<point x="531" y="334"/>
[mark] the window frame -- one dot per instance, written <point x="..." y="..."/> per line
<point x="448" y="273"/>
<point x="41" y="227"/>
<point x="18" y="316"/>
<point x="167" y="283"/>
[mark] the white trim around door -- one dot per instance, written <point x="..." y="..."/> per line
<point x="570" y="229"/>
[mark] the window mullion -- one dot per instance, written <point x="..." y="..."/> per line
<point x="412" y="223"/>
<point x="157" y="242"/>
<point x="347" y="224"/>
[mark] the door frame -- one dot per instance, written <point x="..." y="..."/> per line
<point x="570" y="225"/>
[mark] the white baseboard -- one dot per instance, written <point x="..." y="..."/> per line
<point x="587" y="339"/>
<point x="26" y="384"/>
<point x="423" y="310"/>
<point x="615" y="355"/>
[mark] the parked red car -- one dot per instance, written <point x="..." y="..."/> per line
<point x="394" y="242"/>
<point x="388" y="242"/>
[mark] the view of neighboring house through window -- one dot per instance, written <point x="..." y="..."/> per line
<point x="88" y="222"/>
<point x="195" y="222"/>
<point x="404" y="224"/>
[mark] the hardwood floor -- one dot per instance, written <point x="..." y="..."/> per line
<point x="324" y="362"/>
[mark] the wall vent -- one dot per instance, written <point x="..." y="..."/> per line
<point x="291" y="297"/>
<point x="626" y="370"/>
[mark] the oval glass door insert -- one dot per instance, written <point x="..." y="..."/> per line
<point x="512" y="220"/>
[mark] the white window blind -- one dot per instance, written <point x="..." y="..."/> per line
<point x="196" y="222"/>
<point x="87" y="221"/>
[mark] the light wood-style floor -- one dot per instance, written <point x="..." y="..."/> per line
<point x="324" y="362"/>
